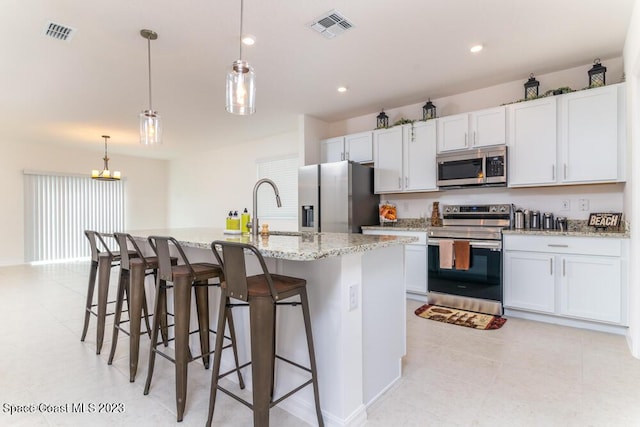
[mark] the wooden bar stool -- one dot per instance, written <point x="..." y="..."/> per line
<point x="184" y="277"/>
<point x="102" y="260"/>
<point x="263" y="292"/>
<point x="131" y="285"/>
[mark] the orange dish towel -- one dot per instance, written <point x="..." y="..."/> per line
<point x="462" y="251"/>
<point x="446" y="254"/>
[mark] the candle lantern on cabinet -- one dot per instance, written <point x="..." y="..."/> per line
<point x="531" y="88"/>
<point x="597" y="74"/>
<point x="428" y="111"/>
<point x="382" y="120"/>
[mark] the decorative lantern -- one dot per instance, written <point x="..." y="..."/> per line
<point x="531" y="88"/>
<point x="428" y="110"/>
<point x="597" y="74"/>
<point x="383" y="120"/>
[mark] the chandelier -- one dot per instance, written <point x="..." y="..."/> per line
<point x="105" y="174"/>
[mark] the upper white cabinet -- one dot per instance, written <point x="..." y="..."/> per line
<point x="332" y="149"/>
<point x="532" y="142"/>
<point x="357" y="147"/>
<point x="404" y="158"/>
<point x="472" y="130"/>
<point x="590" y="135"/>
<point x="576" y="138"/>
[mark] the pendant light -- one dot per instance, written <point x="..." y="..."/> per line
<point x="105" y="174"/>
<point x="150" y="126"/>
<point x="241" y="85"/>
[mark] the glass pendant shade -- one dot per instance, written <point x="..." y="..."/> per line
<point x="150" y="128"/>
<point x="241" y="89"/>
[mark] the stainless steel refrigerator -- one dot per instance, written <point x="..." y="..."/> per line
<point x="336" y="197"/>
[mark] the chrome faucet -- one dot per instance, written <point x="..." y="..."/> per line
<point x="254" y="221"/>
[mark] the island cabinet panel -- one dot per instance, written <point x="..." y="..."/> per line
<point x="569" y="277"/>
<point x="532" y="142"/>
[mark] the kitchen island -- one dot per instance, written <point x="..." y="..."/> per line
<point x="356" y="294"/>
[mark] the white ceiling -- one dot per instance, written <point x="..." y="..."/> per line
<point x="399" y="53"/>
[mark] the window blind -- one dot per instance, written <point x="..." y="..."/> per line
<point x="284" y="172"/>
<point x="58" y="208"/>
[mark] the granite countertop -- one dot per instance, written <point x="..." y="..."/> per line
<point x="576" y="228"/>
<point x="283" y="245"/>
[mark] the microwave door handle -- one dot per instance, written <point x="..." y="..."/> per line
<point x="484" y="169"/>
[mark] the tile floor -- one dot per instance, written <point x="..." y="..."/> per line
<point x="525" y="374"/>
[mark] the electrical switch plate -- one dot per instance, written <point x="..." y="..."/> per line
<point x="584" y="204"/>
<point x="566" y="205"/>
<point x="353" y="297"/>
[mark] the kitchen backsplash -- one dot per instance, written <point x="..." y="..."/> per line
<point x="599" y="198"/>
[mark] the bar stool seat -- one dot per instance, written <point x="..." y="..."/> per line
<point x="263" y="293"/>
<point x="102" y="260"/>
<point x="184" y="278"/>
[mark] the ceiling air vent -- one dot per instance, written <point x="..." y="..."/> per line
<point x="331" y="24"/>
<point x="59" y="31"/>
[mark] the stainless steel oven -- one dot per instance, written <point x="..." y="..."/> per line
<point x="478" y="286"/>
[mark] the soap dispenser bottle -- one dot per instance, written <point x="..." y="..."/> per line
<point x="245" y="218"/>
<point x="228" y="223"/>
<point x="235" y="221"/>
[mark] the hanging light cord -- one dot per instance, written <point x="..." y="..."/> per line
<point x="149" y="57"/>
<point x="241" y="15"/>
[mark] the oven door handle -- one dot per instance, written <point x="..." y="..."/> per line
<point x="487" y="244"/>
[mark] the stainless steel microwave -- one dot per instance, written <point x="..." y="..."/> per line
<point x="482" y="167"/>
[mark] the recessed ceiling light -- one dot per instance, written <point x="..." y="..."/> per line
<point x="249" y="39"/>
<point x="342" y="89"/>
<point x="477" y="48"/>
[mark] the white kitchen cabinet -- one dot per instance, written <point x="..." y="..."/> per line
<point x="529" y="282"/>
<point x="590" y="287"/>
<point x="532" y="142"/>
<point x="573" y="277"/>
<point x="357" y="147"/>
<point x="387" y="159"/>
<point x="589" y="135"/>
<point x="453" y="132"/>
<point x="575" y="138"/>
<point x="405" y="158"/>
<point x="477" y="129"/>
<point x="332" y="149"/>
<point x="415" y="259"/>
<point x="420" y="156"/>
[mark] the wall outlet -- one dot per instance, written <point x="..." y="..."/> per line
<point x="566" y="205"/>
<point x="353" y="297"/>
<point x="584" y="204"/>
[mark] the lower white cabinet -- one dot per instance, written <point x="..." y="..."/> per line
<point x="415" y="259"/>
<point x="576" y="277"/>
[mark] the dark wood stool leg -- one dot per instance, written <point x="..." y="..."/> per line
<point x="232" y="334"/>
<point x="182" y="308"/>
<point x="217" y="355"/>
<point x="120" y="294"/>
<point x="104" y="274"/>
<point x="312" y="354"/>
<point x="202" y="307"/>
<point x="136" y="296"/>
<point x="93" y="271"/>
<point x="145" y="308"/>
<point x="261" y="316"/>
<point x="160" y="296"/>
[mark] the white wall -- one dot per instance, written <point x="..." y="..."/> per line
<point x="205" y="187"/>
<point x="311" y="130"/>
<point x="632" y="190"/>
<point x="575" y="78"/>
<point x="146" y="181"/>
